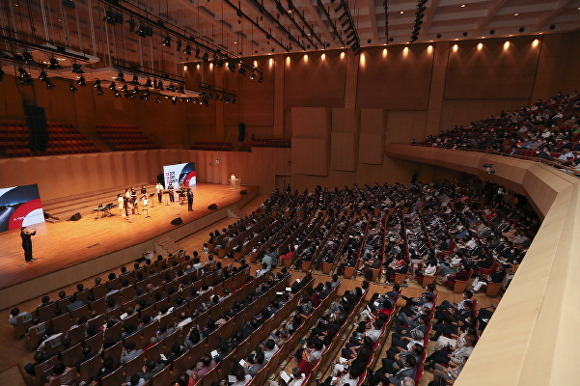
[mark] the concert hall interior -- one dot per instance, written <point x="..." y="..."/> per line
<point x="372" y="141"/>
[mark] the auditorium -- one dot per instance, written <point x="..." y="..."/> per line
<point x="289" y="192"/>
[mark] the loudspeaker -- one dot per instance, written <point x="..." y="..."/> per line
<point x="37" y="127"/>
<point x="242" y="192"/>
<point x="75" y="217"/>
<point x="212" y="207"/>
<point x="241" y="132"/>
<point x="177" y="221"/>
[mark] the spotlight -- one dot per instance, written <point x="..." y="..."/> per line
<point x="28" y="58"/>
<point x="117" y="94"/>
<point x="43" y="76"/>
<point x="232" y="66"/>
<point x="54" y="65"/>
<point x="159" y="86"/>
<point x="148" y="83"/>
<point x="72" y="88"/>
<point x="158" y="100"/>
<point x="144" y="31"/>
<point x="135" y="90"/>
<point x="97" y="84"/>
<point x="259" y="80"/>
<point x="187" y="50"/>
<point x="112" y="86"/>
<point x="135" y="80"/>
<point x="205" y="57"/>
<point x="220" y="62"/>
<point x="100" y="90"/>
<point x="81" y="81"/>
<point x="253" y="76"/>
<point x="113" y="18"/>
<point x="49" y="84"/>
<point x="120" y="77"/>
<point x="24" y="76"/>
<point x="124" y="88"/>
<point x="76" y="68"/>
<point x="167" y="41"/>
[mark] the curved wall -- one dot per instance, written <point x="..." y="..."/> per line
<point x="531" y="339"/>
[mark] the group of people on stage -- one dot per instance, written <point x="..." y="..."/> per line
<point x="129" y="201"/>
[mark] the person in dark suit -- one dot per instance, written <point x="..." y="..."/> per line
<point x="189" y="200"/>
<point x="26" y="236"/>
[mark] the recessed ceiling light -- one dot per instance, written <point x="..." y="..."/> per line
<point x="516" y="14"/>
<point x="402" y="12"/>
<point x="462" y="5"/>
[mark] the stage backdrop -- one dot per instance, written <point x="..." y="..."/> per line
<point x="180" y="174"/>
<point x="20" y="206"/>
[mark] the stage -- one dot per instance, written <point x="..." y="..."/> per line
<point x="70" y="251"/>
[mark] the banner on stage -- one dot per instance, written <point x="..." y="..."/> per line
<point x="180" y="175"/>
<point x="20" y="206"/>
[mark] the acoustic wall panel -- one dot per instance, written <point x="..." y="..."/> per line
<point x="345" y="120"/>
<point x="310" y="156"/>
<point x="344" y="151"/>
<point x="371" y="148"/>
<point x="373" y="121"/>
<point x="310" y="122"/>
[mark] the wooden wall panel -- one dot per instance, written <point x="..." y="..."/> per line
<point x="343" y="151"/>
<point x="396" y="80"/>
<point x="311" y="122"/>
<point x="463" y="111"/>
<point x="403" y="126"/>
<point x="371" y="148"/>
<point x="325" y="80"/>
<point x="494" y="72"/>
<point x="310" y="156"/>
<point x="345" y="120"/>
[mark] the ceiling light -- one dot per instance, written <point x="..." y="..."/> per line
<point x="205" y="57"/>
<point x="135" y="80"/>
<point x="402" y="12"/>
<point x="42" y="76"/>
<point x="135" y="90"/>
<point x="167" y="41"/>
<point x="462" y="5"/>
<point x="120" y="77"/>
<point x="117" y="94"/>
<point x="516" y="14"/>
<point x="112" y="86"/>
<point x="72" y="88"/>
<point x="49" y="84"/>
<point x="81" y="81"/>
<point x="124" y="88"/>
<point x="187" y="50"/>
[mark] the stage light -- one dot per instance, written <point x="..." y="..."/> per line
<point x="158" y="100"/>
<point x="205" y="57"/>
<point x="124" y="88"/>
<point x="187" y="50"/>
<point x="72" y="88"/>
<point x="135" y="90"/>
<point x="120" y="77"/>
<point x="97" y="83"/>
<point x="76" y="68"/>
<point x="167" y="41"/>
<point x="253" y="76"/>
<point x="24" y="76"/>
<point x="54" y="65"/>
<point x="43" y="77"/>
<point x="112" y="86"/>
<point x="100" y="90"/>
<point x="232" y="66"/>
<point x="117" y="94"/>
<point x="28" y="58"/>
<point x="135" y="80"/>
<point x="148" y="83"/>
<point x="81" y="81"/>
<point x="49" y="84"/>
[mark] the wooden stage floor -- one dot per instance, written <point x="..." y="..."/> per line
<point x="67" y="243"/>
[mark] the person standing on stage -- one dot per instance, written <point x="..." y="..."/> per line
<point x="128" y="208"/>
<point x="159" y="189"/>
<point x="121" y="203"/>
<point x="171" y="192"/>
<point x="26" y="236"/>
<point x="143" y="190"/>
<point x="145" y="200"/>
<point x="189" y="200"/>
